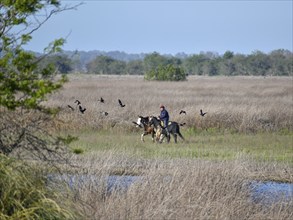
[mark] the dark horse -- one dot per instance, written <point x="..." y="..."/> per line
<point x="143" y="122"/>
<point x="173" y="129"/>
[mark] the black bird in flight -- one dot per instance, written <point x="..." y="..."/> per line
<point x="120" y="103"/>
<point x="102" y="100"/>
<point x="182" y="112"/>
<point x="182" y="124"/>
<point x="202" y="113"/>
<point x="77" y="101"/>
<point x="105" y="113"/>
<point x="69" y="106"/>
<point x="82" y="110"/>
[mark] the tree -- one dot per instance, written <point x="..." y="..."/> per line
<point x="259" y="63"/>
<point x="194" y="64"/>
<point x="24" y="85"/>
<point x="105" y="65"/>
<point x="153" y="61"/>
<point x="228" y="55"/>
<point x="135" y="67"/>
<point x="62" y="63"/>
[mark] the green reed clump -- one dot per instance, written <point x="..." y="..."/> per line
<point x="78" y="150"/>
<point x="23" y="194"/>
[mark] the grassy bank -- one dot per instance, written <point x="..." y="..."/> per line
<point x="211" y="145"/>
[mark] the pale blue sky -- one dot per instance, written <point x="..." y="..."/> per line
<point x="170" y="27"/>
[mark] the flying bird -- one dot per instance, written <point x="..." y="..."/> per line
<point x="202" y="113"/>
<point x="182" y="124"/>
<point x="69" y="106"/>
<point x="104" y="113"/>
<point x="120" y="103"/>
<point x="77" y="101"/>
<point x="102" y="100"/>
<point x="82" y="110"/>
<point x="182" y="112"/>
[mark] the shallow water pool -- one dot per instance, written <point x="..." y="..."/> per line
<point x="271" y="192"/>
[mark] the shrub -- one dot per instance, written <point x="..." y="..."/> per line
<point x="166" y="73"/>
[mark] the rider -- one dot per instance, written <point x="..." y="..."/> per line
<point x="164" y="116"/>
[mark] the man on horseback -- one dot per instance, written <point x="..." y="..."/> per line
<point x="164" y="116"/>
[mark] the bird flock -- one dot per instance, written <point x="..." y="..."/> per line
<point x="122" y="105"/>
<point x="82" y="109"/>
<point x="101" y="100"/>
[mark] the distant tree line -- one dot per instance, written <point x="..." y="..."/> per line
<point x="155" y="66"/>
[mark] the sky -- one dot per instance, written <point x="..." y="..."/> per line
<point x="171" y="27"/>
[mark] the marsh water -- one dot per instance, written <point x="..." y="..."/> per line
<point x="271" y="192"/>
<point x="266" y="193"/>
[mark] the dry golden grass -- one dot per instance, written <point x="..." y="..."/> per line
<point x="180" y="186"/>
<point x="245" y="104"/>
<point x="176" y="189"/>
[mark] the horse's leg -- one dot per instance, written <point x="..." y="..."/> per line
<point x="142" y="137"/>
<point x="168" y="139"/>
<point x="158" y="134"/>
<point x="153" y="136"/>
<point x="175" y="138"/>
<point x="180" y="135"/>
<point x="161" y="138"/>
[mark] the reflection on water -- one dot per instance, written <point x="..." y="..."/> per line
<point x="271" y="192"/>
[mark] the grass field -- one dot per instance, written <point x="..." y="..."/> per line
<point x="244" y="104"/>
<point x="246" y="115"/>
<point x="246" y="135"/>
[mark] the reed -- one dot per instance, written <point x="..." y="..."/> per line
<point x="242" y="104"/>
<point x="176" y="188"/>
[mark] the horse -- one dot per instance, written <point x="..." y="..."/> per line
<point x="173" y="129"/>
<point x="143" y="122"/>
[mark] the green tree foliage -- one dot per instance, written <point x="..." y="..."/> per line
<point x="106" y="65"/>
<point x="194" y="64"/>
<point x="166" y="73"/>
<point x="135" y="67"/>
<point x="278" y="62"/>
<point x="24" y="83"/>
<point x="153" y="61"/>
<point x="61" y="63"/>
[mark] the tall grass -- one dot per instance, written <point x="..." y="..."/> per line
<point x="242" y="104"/>
<point x="24" y="195"/>
<point x="245" y="136"/>
<point x="176" y="189"/>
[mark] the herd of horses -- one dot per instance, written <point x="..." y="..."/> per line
<point x="152" y="125"/>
